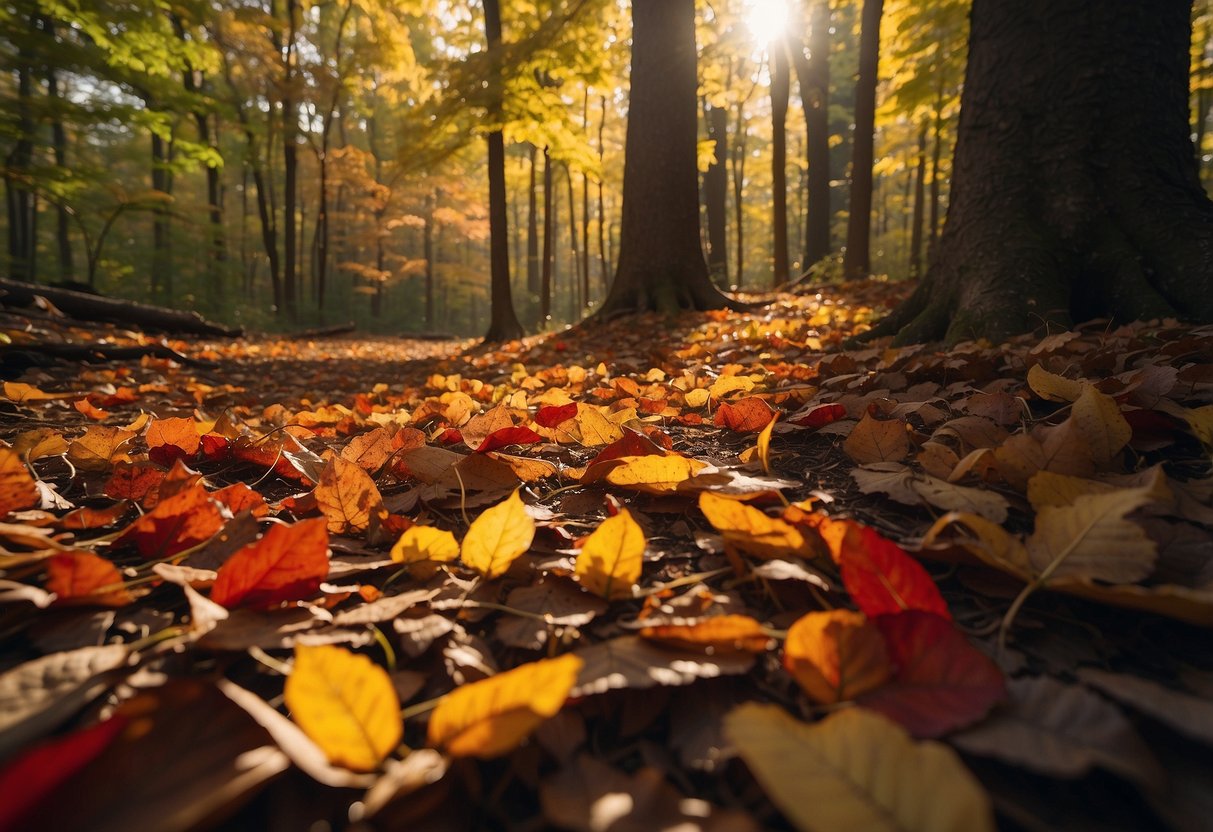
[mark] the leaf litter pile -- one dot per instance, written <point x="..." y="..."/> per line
<point x="719" y="573"/>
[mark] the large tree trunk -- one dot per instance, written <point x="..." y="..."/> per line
<point x="503" y="320"/>
<point x="1075" y="191"/>
<point x="290" y="165"/>
<point x="549" y="230"/>
<point x="857" y="260"/>
<point x="920" y="175"/>
<point x="661" y="264"/>
<point x="162" y="242"/>
<point x="715" y="195"/>
<point x="22" y="243"/>
<point x="63" y="242"/>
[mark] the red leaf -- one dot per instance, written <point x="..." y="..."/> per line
<point x="26" y="780"/>
<point x="175" y="524"/>
<point x="508" y="436"/>
<point x="238" y="497"/>
<point x="94" y="518"/>
<point x="133" y="481"/>
<point x="878" y="573"/>
<point x="216" y="447"/>
<point x="288" y="564"/>
<point x="85" y="578"/>
<point x="820" y="416"/>
<point x="552" y="415"/>
<point x="450" y="436"/>
<point x="632" y="444"/>
<point x="942" y="682"/>
<point x="748" y="415"/>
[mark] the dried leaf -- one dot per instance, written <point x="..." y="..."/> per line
<point x="748" y="530"/>
<point x="498" y="537"/>
<point x="84" y="578"/>
<point x="857" y="770"/>
<point x="610" y="562"/>
<point x="95" y="450"/>
<point x="425" y="547"/>
<point x="654" y="474"/>
<point x="747" y="415"/>
<point x="347" y="497"/>
<point x="877" y="440"/>
<point x="169" y="440"/>
<point x="836" y="656"/>
<point x="287" y="564"/>
<point x="513" y="435"/>
<point x="491" y="717"/>
<point x="1103" y="427"/>
<point x="176" y="524"/>
<point x="17" y="490"/>
<point x="716" y="633"/>
<point x="1052" y="387"/>
<point x="346" y="704"/>
<point x="1189" y="715"/>
<point x="631" y="662"/>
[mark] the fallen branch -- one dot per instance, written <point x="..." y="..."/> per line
<point x="21" y="356"/>
<point x="324" y="331"/>
<point x="98" y="308"/>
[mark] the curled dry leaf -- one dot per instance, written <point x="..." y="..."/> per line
<point x="857" y="770"/>
<point x="1053" y="387"/>
<point x="492" y="716"/>
<point x="17" y="490"/>
<point x="171" y="439"/>
<point x="346" y="704"/>
<point x="906" y="486"/>
<point x="717" y="633"/>
<point x="289" y="563"/>
<point x="747" y="415"/>
<point x="610" y="562"/>
<point x="84" y="578"/>
<point x="95" y="450"/>
<point x="498" y="537"/>
<point x="836" y="656"/>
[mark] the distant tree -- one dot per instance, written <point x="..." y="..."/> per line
<point x="1075" y="189"/>
<point x="661" y="264"/>
<point x="503" y="320"/>
<point x="857" y="259"/>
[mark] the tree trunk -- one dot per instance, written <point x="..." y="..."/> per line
<point x="603" y="260"/>
<point x="738" y="186"/>
<point x="290" y="165"/>
<point x="1075" y="191"/>
<point x="781" y="83"/>
<point x="936" y="179"/>
<point x="428" y="254"/>
<point x="661" y="263"/>
<point x="813" y="76"/>
<point x="503" y="320"/>
<point x="20" y="199"/>
<point x="576" y="275"/>
<point x="715" y="195"/>
<point x="162" y="252"/>
<point x="532" y="230"/>
<point x="549" y="230"/>
<point x="857" y="260"/>
<point x="919" y="200"/>
<point x="63" y="241"/>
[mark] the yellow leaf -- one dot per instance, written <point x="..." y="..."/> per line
<point x="498" y="536"/>
<point x="764" y="444"/>
<point x="654" y="474"/>
<point x="724" y="385"/>
<point x="594" y="428"/>
<point x="611" y="560"/>
<point x="857" y="770"/>
<point x="490" y="717"/>
<point x="425" y="546"/>
<point x="836" y="656"/>
<point x="347" y="497"/>
<point x="17" y="391"/>
<point x="346" y="704"/>
<point x="1099" y="419"/>
<point x="95" y="450"/>
<point x="1052" y="387"/>
<point x="697" y="397"/>
<point x="1048" y="489"/>
<point x="748" y="530"/>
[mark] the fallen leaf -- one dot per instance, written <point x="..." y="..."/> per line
<point x="593" y="428"/>
<point x="630" y="662"/>
<point x="346" y="704"/>
<point x="877" y="440"/>
<point x="169" y="440"/>
<point x="287" y="564"/>
<point x="95" y="450"/>
<point x="857" y="770"/>
<point x="176" y="524"/>
<point x="1052" y="387"/>
<point x="554" y="415"/>
<point x="654" y="474"/>
<point x="748" y="530"/>
<point x="1103" y="427"/>
<point x="498" y="537"/>
<point x="746" y="415"/>
<point x="836" y="656"/>
<point x="424" y="547"/>
<point x="941" y="682"/>
<point x="85" y="578"/>
<point x="818" y="416"/>
<point x="763" y="448"/>
<point x="94" y="518"/>
<point x="491" y="717"/>
<point x="1189" y="715"/>
<point x="610" y="562"/>
<point x="17" y="489"/>
<point x="347" y="497"/>
<point x="715" y="633"/>
<point x="512" y="435"/>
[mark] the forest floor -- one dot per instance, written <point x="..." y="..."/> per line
<point x="715" y="572"/>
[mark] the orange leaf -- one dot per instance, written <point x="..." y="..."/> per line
<point x="288" y="564"/>
<point x="176" y="524"/>
<point x="835" y="656"/>
<point x="877" y="572"/>
<point x="819" y="416"/>
<point x="17" y="489"/>
<point x="654" y="474"/>
<point x="492" y="716"/>
<point x="942" y="682"/>
<point x="88" y="409"/>
<point x="347" y="497"/>
<point x="171" y="439"/>
<point x="746" y="529"/>
<point x="239" y="497"/>
<point x="94" y="518"/>
<point x="740" y="633"/>
<point x="133" y="481"/>
<point x="747" y="415"/>
<point x="85" y="578"/>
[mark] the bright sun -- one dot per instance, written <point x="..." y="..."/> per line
<point x="767" y="19"/>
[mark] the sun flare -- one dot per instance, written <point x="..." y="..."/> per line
<point x="767" y="19"/>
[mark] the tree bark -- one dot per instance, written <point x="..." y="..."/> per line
<point x="503" y="320"/>
<point x="549" y="230"/>
<point x="1075" y="189"/>
<point x="857" y="261"/>
<point x="919" y="211"/>
<point x="813" y="76"/>
<point x="63" y="240"/>
<point x="20" y="197"/>
<point x="603" y="260"/>
<point x="715" y="195"/>
<point x="739" y="156"/>
<point x="162" y="251"/>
